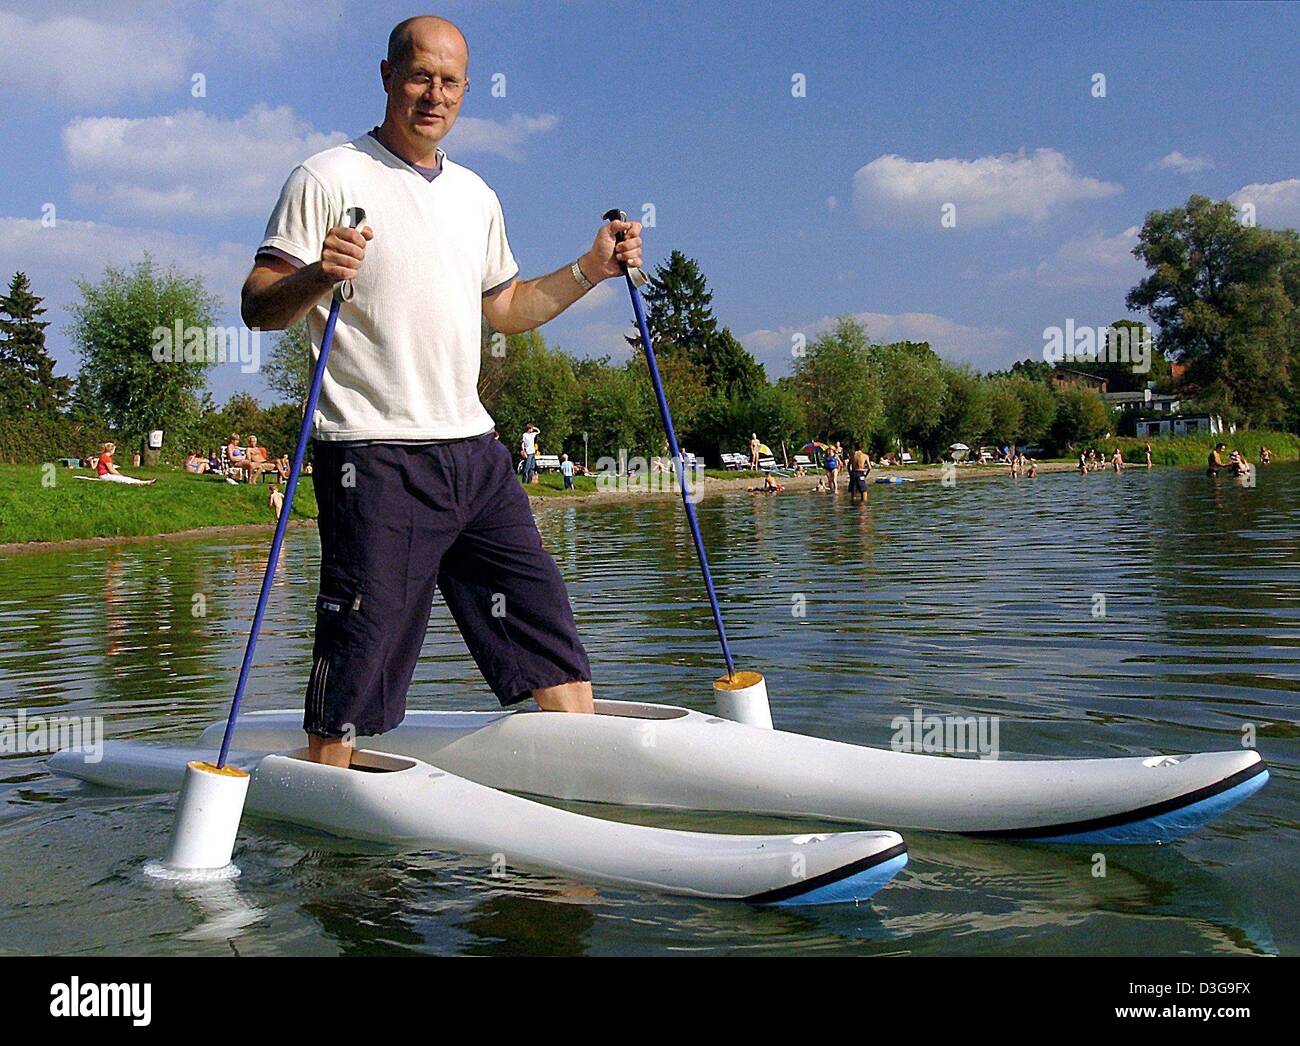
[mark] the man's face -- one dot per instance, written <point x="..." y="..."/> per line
<point x="425" y="92"/>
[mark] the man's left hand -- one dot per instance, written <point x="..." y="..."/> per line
<point x="606" y="258"/>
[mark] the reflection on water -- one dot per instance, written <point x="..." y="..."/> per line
<point x="983" y="599"/>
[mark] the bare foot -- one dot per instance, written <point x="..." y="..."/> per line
<point x="332" y="751"/>
<point x="567" y="697"/>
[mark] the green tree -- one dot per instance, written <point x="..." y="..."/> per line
<point x="772" y="411"/>
<point x="680" y="318"/>
<point x="1031" y="369"/>
<point x="1218" y="291"/>
<point x="116" y="327"/>
<point x="1037" y="409"/>
<point x="687" y="393"/>
<point x="288" y="366"/>
<point x="1006" y="413"/>
<point x="1121" y="375"/>
<point x="530" y="383"/>
<point x="242" y="414"/>
<point x="680" y="309"/>
<point x="965" y="415"/>
<point x="834" y="381"/>
<point x="27" y="379"/>
<point x="609" y="403"/>
<point x="1081" y="416"/>
<point x="910" y="376"/>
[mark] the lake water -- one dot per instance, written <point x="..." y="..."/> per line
<point x="977" y="600"/>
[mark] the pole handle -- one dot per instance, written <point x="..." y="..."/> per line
<point x="353" y="218"/>
<point x="638" y="277"/>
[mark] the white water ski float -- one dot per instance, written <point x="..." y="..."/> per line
<point x="661" y="756"/>
<point x="402" y="800"/>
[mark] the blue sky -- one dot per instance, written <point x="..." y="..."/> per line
<point x="798" y="209"/>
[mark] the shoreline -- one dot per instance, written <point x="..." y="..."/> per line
<point x="713" y="487"/>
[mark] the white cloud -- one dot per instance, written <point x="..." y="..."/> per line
<point x="472" y="134"/>
<point x="81" y="61"/>
<point x="985" y="190"/>
<point x="54" y="258"/>
<point x="983" y="346"/>
<point x="189" y="163"/>
<point x="1093" y="260"/>
<point x="1180" y="164"/>
<point x="1277" y="204"/>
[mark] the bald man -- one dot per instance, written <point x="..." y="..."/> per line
<point x="414" y="491"/>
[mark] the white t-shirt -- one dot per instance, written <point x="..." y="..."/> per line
<point x="529" y="442"/>
<point x="404" y="364"/>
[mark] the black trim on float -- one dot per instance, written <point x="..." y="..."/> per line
<point x="1128" y="817"/>
<point x="783" y="893"/>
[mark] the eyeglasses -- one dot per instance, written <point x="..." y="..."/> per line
<point x="450" y="88"/>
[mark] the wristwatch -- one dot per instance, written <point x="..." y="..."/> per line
<point x="581" y="277"/>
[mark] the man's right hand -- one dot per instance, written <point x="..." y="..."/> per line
<point x="277" y="295"/>
<point x="343" y="252"/>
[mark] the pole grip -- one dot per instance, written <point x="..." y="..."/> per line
<point x="637" y="276"/>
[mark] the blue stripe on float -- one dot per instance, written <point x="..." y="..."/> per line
<point x="856" y="887"/>
<point x="1168" y="826"/>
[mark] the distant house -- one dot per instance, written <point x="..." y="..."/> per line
<point x="1182" y="425"/>
<point x="1144" y="399"/>
<point x="1063" y="377"/>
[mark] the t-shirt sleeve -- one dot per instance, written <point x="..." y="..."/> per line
<point x="500" y="266"/>
<point x="302" y="216"/>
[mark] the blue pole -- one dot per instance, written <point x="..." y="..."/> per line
<point x="679" y="463"/>
<point x="355" y="217"/>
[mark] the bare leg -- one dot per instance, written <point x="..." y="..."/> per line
<point x="567" y="697"/>
<point x="332" y="751"/>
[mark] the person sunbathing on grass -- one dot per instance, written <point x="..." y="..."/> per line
<point x="256" y="460"/>
<point x="237" y="457"/>
<point x="106" y="468"/>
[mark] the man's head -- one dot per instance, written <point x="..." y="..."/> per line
<point x="252" y="441"/>
<point x="425" y="76"/>
<point x="1220" y="446"/>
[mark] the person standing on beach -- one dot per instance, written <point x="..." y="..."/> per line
<point x="566" y="470"/>
<point x="1146" y="449"/>
<point x="528" y="451"/>
<point x="754" y="446"/>
<point x="414" y="493"/>
<point x="832" y="465"/>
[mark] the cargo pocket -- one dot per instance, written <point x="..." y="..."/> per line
<point x="334" y="614"/>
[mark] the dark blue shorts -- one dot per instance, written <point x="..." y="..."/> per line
<point x="399" y="519"/>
